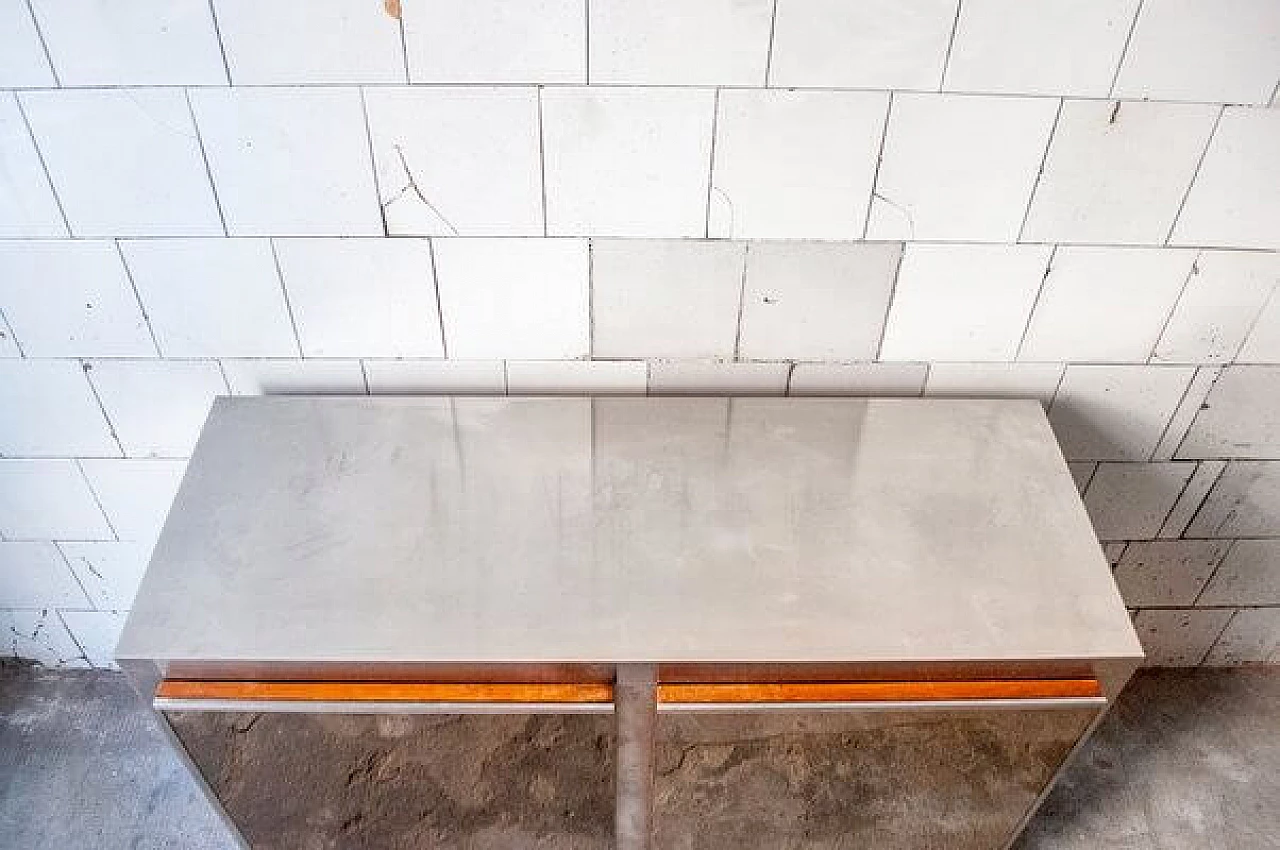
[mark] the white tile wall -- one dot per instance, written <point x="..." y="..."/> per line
<point x="995" y="380"/>
<point x="285" y="377"/>
<point x="68" y="298"/>
<point x="212" y="297"/>
<point x="1253" y="637"/>
<point x="665" y="297"/>
<point x="39" y="635"/>
<point x="8" y="345"/>
<point x="109" y="572"/>
<point x="1179" y="638"/>
<point x="941" y="152"/>
<point x="1049" y="47"/>
<point x="963" y="302"/>
<point x="1219" y="307"/>
<point x="1167" y="572"/>
<point x="48" y="500"/>
<point x="1240" y="417"/>
<point x="1234" y="202"/>
<point x="289" y="161"/>
<point x="1115" y="412"/>
<point x="1081" y="473"/>
<point x="1249" y="575"/>
<point x="157" y="406"/>
<point x="1193" y="495"/>
<point x="1190" y="50"/>
<point x="362" y="297"/>
<point x="627" y="161"/>
<point x="1245" y="502"/>
<point x="328" y="41"/>
<point x="457" y="161"/>
<point x="794" y="164"/>
<point x="34" y="575"/>
<point x="28" y="208"/>
<point x="858" y="379"/>
<point x="1262" y="345"/>
<point x="1105" y="304"/>
<point x="1117" y="172"/>
<point x="714" y="42"/>
<point x="577" y="377"/>
<point x="96" y="633"/>
<point x="1186" y="412"/>
<point x="1129" y="501"/>
<point x="816" y="300"/>
<point x="22" y="58"/>
<point x="693" y="377"/>
<point x="514" y="298"/>
<point x="135" y="494"/>
<point x="60" y="415"/>
<point x="143" y="174"/>
<point x="888" y="44"/>
<point x="427" y="377"/>
<point x="138" y="43"/>
<point x="494" y="41"/>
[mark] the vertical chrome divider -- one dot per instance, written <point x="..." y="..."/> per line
<point x="635" y="701"/>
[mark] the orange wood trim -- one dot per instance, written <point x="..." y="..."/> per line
<point x="880" y="691"/>
<point x="383" y="691"/>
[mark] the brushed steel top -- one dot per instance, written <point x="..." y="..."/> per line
<point x="626" y="529"/>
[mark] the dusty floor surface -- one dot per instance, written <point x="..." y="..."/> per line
<point x="1189" y="759"/>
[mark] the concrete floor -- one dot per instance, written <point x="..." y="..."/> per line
<point x="1189" y="759"/>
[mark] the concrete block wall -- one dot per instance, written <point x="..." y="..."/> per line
<point x="1076" y="201"/>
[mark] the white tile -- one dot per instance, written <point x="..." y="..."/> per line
<point x="577" y="377"/>
<point x="157" y="407"/>
<point x="816" y="300"/>
<point x="1129" y="501"/>
<point x="858" y="379"/>
<point x="1240" y="418"/>
<point x="695" y="377"/>
<point x="1249" y="575"/>
<point x="627" y="161"/>
<point x="714" y="42"/>
<point x="48" y="499"/>
<point x="514" y="298"/>
<point x="963" y="302"/>
<point x="212" y="297"/>
<point x="942" y="152"/>
<point x="1220" y="304"/>
<point x="1105" y="304"/>
<point x="139" y="43"/>
<point x="8" y="344"/>
<point x="60" y="417"/>
<point x="1192" y="497"/>
<point x="1191" y="50"/>
<point x="362" y="297"/>
<point x="1233" y="202"/>
<point x="494" y="41"/>
<point x="22" y="59"/>
<point x="994" y="380"/>
<point x="40" y="637"/>
<point x="135" y="493"/>
<point x="794" y="164"/>
<point x="1113" y="552"/>
<point x="331" y="41"/>
<point x="109" y="572"/>
<point x="34" y="575"/>
<point x="1263" y="342"/>
<point x="294" y="377"/>
<point x="97" y="633"/>
<point x="430" y="377"/>
<point x="1048" y="47"/>
<point x="873" y="44"/>
<point x="1116" y="172"/>
<point x="1186" y="412"/>
<point x="143" y="174"/>
<point x="289" y="162"/>
<point x="28" y="209"/>
<point x="1245" y="502"/>
<point x="1167" y="572"/>
<point x="1081" y="472"/>
<point x="1178" y="638"/>
<point x="665" y="297"/>
<point x="457" y="161"/>
<point x="71" y="299"/>
<point x="1115" y="412"/>
<point x="1253" y="637"/>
